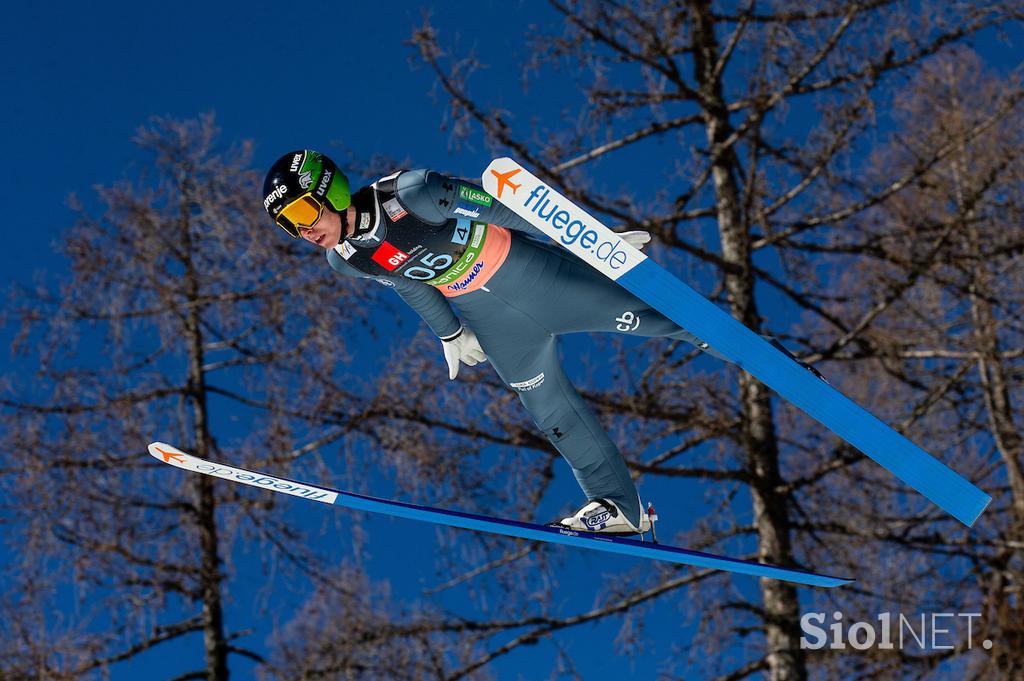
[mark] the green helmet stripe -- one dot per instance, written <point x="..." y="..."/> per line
<point x="338" y="194"/>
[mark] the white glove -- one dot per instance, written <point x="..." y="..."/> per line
<point x="636" y="239"/>
<point x="463" y="347"/>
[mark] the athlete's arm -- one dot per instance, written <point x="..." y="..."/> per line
<point x="437" y="198"/>
<point x="426" y="300"/>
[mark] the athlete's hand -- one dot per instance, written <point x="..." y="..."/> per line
<point x="637" y="239"/>
<point x="463" y="347"/>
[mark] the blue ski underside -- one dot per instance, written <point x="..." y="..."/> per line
<point x="587" y="540"/>
<point x="584" y="236"/>
<point x="945" y="487"/>
<point x="513" y="528"/>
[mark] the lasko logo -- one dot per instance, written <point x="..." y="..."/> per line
<point x="560" y="219"/>
<point x="389" y="257"/>
<point x="474" y="195"/>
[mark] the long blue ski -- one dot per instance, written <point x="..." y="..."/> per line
<point x="471" y="521"/>
<point x="583" y="235"/>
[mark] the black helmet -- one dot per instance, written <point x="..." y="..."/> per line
<point x="298" y="187"/>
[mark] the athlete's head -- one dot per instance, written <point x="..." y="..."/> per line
<point x="307" y="196"/>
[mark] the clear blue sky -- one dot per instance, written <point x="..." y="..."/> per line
<point x="331" y="76"/>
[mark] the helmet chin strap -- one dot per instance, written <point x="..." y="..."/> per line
<point x="366" y="211"/>
<point x="344" y="223"/>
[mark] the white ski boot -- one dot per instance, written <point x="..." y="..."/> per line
<point x="604" y="517"/>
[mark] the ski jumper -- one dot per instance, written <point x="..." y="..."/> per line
<point x="441" y="242"/>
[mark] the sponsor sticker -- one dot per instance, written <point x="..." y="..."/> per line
<point x="474" y="195"/>
<point x="463" y="264"/>
<point x="531" y="384"/>
<point x="479" y="230"/>
<point x="464" y="284"/>
<point x="556" y="216"/>
<point x="395" y="210"/>
<point x="176" y="457"/>
<point x="467" y="210"/>
<point x="321" y="187"/>
<point x="461" y="233"/>
<point x="627" y="321"/>
<point x="279" y="191"/>
<point x="385" y="282"/>
<point x="389" y="257"/>
<point x="346" y="250"/>
<point x="267" y="481"/>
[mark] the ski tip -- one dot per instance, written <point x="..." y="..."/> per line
<point x="166" y="453"/>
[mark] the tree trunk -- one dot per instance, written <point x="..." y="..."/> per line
<point x="1004" y="581"/>
<point x="214" y="643"/>
<point x="781" y="606"/>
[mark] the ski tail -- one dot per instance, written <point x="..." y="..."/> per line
<point x="472" y="521"/>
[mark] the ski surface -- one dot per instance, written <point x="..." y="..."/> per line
<point x="584" y="236"/>
<point x="472" y="521"/>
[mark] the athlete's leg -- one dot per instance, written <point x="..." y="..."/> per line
<point x="525" y="355"/>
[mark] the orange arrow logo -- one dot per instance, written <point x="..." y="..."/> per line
<point x="170" y="456"/>
<point x="503" y="179"/>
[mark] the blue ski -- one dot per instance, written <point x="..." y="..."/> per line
<point x="583" y="235"/>
<point x="471" y="521"/>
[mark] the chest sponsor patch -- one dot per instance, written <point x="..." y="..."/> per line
<point x="470" y="278"/>
<point x="475" y="195"/>
<point x="389" y="257"/>
<point x="394" y="210"/>
<point x="346" y="250"/>
<point x="461" y="233"/>
<point x="467" y="210"/>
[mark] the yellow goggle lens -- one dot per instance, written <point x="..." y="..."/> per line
<point x="302" y="212"/>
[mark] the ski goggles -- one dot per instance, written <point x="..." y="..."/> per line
<point x="302" y="212"/>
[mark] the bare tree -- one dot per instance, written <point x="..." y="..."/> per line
<point x="758" y="126"/>
<point x="175" y="317"/>
<point x="945" y="253"/>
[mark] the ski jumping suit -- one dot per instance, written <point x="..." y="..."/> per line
<point x="441" y="242"/>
